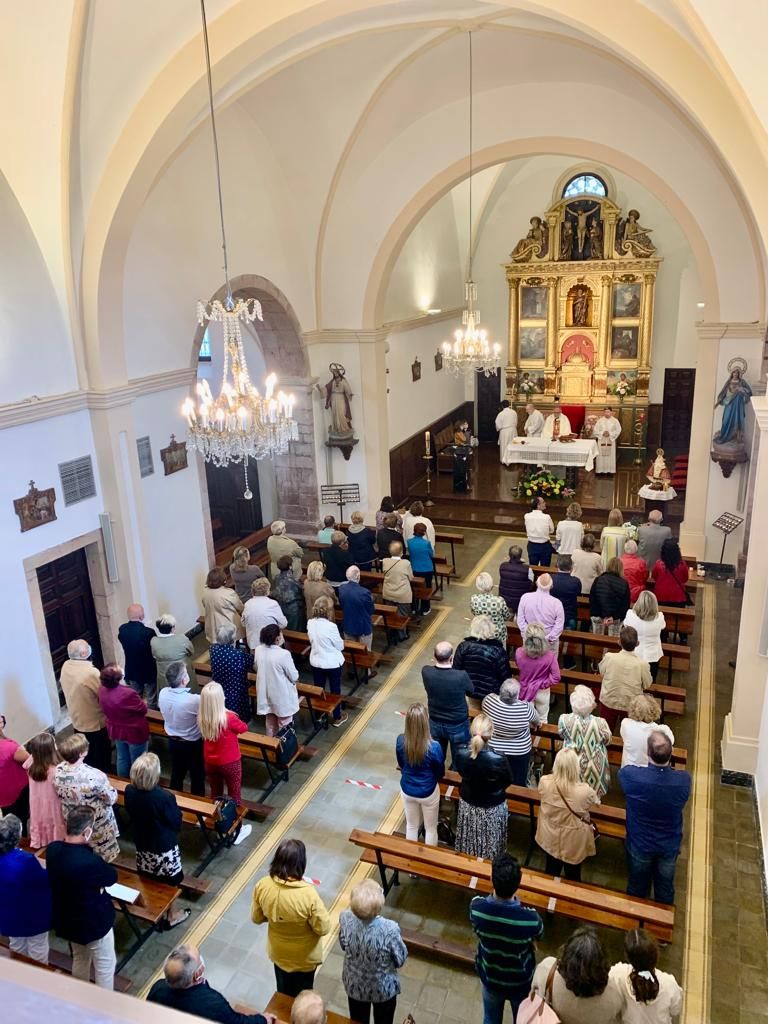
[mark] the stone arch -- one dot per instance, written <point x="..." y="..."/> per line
<point x="280" y="338"/>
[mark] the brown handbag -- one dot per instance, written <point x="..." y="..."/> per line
<point x="585" y="820"/>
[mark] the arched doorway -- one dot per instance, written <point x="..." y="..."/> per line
<point x="284" y="487"/>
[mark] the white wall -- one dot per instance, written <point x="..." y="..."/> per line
<point x="761" y="775"/>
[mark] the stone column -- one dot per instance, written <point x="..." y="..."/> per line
<point x="693" y="528"/>
<point x="295" y="473"/>
<point x="742" y="725"/>
<point x="514" y="321"/>
<point x="604" y="327"/>
<point x="551" y="357"/>
<point x="644" y="345"/>
<point x="374" y="437"/>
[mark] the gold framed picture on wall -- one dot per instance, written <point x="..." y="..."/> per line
<point x="533" y="302"/>
<point x="624" y="342"/>
<point x="627" y="296"/>
<point x="533" y="343"/>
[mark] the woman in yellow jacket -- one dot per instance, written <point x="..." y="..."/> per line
<point x="296" y="916"/>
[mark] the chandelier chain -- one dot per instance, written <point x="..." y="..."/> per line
<point x="471" y="116"/>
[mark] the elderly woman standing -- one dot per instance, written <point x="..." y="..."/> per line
<point x="642" y="719"/>
<point x="288" y="593"/>
<point x="483" y="656"/>
<point x="242" y="573"/>
<point x="276" y="678"/>
<point x="649" y="624"/>
<point x="337" y="558"/>
<point x="587" y="563"/>
<point x="280" y="544"/>
<point x="169" y="646"/>
<point x="221" y="605"/>
<point x="230" y="666"/>
<point x="538" y="667"/>
<point x="481" y="827"/>
<point x="126" y="716"/>
<point x="613" y="537"/>
<point x="564" y="832"/>
<point x="362" y="542"/>
<point x="485" y="602"/>
<point x="77" y="783"/>
<point x="570" y="531"/>
<point x="260" y="611"/>
<point x="589" y="736"/>
<point x="315" y="586"/>
<point x="635" y="570"/>
<point x="373" y="952"/>
<point x="326" y="654"/>
<point x="512" y="720"/>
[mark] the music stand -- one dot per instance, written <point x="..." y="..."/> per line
<point x="341" y="495"/>
<point x="726" y="523"/>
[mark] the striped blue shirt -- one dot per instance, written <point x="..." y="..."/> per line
<point x="506" y="931"/>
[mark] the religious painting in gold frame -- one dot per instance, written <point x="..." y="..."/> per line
<point x="624" y="343"/>
<point x="533" y="344"/>
<point x="627" y="296"/>
<point x="533" y="302"/>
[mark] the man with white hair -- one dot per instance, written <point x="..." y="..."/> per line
<point x="506" y="427"/>
<point x="168" y="646"/>
<point x="80" y="683"/>
<point x="541" y="607"/>
<point x="606" y="432"/>
<point x="308" y="1008"/>
<point x="140" y="667"/>
<point x="650" y="537"/>
<point x="179" y="708"/>
<point x="357" y="606"/>
<point x="184" y="988"/>
<point x="534" y="424"/>
<point x="280" y="544"/>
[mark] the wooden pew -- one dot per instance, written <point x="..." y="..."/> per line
<point x="356" y="655"/>
<point x="594" y="645"/>
<point x="60" y="963"/>
<point x="589" y="903"/>
<point x="253" y="746"/>
<point x="375" y="580"/>
<point x="548" y="733"/>
<point x="671" y="698"/>
<point x="280" y="1006"/>
<point x="255" y="542"/>
<point x="678" y="620"/>
<point x="691" y="586"/>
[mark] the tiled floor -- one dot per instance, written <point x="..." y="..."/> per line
<point x="320" y="806"/>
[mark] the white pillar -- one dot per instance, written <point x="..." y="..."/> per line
<point x="375" y="435"/>
<point x="742" y="724"/>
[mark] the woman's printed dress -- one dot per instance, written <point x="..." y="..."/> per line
<point x="495" y="608"/>
<point x="230" y="667"/>
<point x="589" y="736"/>
<point x="78" y="784"/>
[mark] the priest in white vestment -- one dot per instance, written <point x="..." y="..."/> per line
<point x="535" y="422"/>
<point x="556" y="424"/>
<point x="506" y="425"/>
<point x="606" y="432"/>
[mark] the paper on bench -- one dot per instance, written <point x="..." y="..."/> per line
<point x="124" y="893"/>
<point x="473" y="882"/>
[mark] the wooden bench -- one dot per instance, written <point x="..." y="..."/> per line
<point x="451" y="538"/>
<point x="356" y="655"/>
<point x="547" y="732"/>
<point x="594" y="645"/>
<point x="578" y="900"/>
<point x="60" y="963"/>
<point x="280" y="1006"/>
<point x="384" y="615"/>
<point x="253" y="746"/>
<point x="199" y="811"/>
<point x="375" y="580"/>
<point x="253" y="541"/>
<point x="691" y="586"/>
<point x="678" y="620"/>
<point x="671" y="698"/>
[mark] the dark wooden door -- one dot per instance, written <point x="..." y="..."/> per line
<point x="65" y="588"/>
<point x="677" y="409"/>
<point x="488" y="403"/>
<point x="232" y="515"/>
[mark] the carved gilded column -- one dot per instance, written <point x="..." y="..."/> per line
<point x="514" y="321"/>
<point x="551" y="357"/>
<point x="646" y="324"/>
<point x="604" y="328"/>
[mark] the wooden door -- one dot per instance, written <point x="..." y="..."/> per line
<point x="488" y="404"/>
<point x="232" y="515"/>
<point x="65" y="588"/>
<point x="677" y="409"/>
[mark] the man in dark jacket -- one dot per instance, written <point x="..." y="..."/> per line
<point x="567" y="588"/>
<point x="184" y="988"/>
<point x="515" y="579"/>
<point x="357" y="605"/>
<point x="337" y="558"/>
<point x="483" y="657"/>
<point x="387" y="534"/>
<point x="82" y="910"/>
<point x="140" y="667"/>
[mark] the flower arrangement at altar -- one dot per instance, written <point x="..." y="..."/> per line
<point x="526" y="386"/>
<point x="542" y="483"/>
<point x="622" y="387"/>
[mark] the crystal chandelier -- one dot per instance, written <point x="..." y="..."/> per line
<point x="239" y="424"/>
<point x="470" y="350"/>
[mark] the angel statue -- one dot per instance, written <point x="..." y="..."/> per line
<point x="337" y="396"/>
<point x="734" y="396"/>
<point x="535" y="242"/>
<point x="632" y="237"/>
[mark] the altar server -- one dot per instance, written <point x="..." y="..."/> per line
<point x="506" y="425"/>
<point x="535" y="422"/>
<point x="557" y="423"/>
<point x="607" y="432"/>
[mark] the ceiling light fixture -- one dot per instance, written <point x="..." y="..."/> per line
<point x="471" y="351"/>
<point x="239" y="424"/>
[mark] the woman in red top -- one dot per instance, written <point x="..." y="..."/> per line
<point x="635" y="570"/>
<point x="14" y="784"/>
<point x="220" y="729"/>
<point x="126" y="716"/>
<point x="671" y="576"/>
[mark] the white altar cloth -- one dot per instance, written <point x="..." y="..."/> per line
<point x="647" y="492"/>
<point x="539" y="451"/>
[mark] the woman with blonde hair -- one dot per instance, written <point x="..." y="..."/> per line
<point x="642" y="719"/>
<point x="539" y="669"/>
<point x="589" y="735"/>
<point x="362" y="542"/>
<point x="221" y="605"/>
<point x="221" y="750"/>
<point x="587" y="563"/>
<point x="326" y="654"/>
<point x="649" y="622"/>
<point x="422" y="766"/>
<point x="316" y="586"/>
<point x="242" y="573"/>
<point x="78" y="783"/>
<point x="570" y="531"/>
<point x="481" y="828"/>
<point x="280" y="544"/>
<point x="564" y="831"/>
<point x="485" y="602"/>
<point x="373" y="952"/>
<point x="613" y="537"/>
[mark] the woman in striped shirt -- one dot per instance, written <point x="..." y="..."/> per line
<point x="512" y="722"/>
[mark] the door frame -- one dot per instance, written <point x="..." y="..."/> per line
<point x="104" y="601"/>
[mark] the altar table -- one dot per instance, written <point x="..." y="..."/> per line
<point x="538" y="451"/>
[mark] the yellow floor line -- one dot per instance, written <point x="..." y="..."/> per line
<point x="493" y="551"/>
<point x="696" y="962"/>
<point x="210" y="917"/>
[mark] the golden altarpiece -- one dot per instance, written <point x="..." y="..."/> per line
<point x="581" y="290"/>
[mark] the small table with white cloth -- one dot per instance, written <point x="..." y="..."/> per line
<point x="538" y="451"/>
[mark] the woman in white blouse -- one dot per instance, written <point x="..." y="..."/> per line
<point x="642" y="719"/>
<point x="649" y="996"/>
<point x="276" y="678"/>
<point x="646" y="618"/>
<point x="570" y="531"/>
<point x="326" y="655"/>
